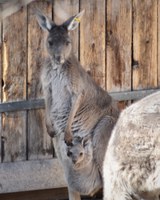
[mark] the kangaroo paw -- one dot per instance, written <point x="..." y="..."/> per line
<point x="68" y="139"/>
<point x="50" y="131"/>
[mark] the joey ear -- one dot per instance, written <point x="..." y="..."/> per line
<point x="45" y="22"/>
<point x="73" y="22"/>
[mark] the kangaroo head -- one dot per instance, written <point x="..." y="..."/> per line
<point x="80" y="151"/>
<point x="58" y="42"/>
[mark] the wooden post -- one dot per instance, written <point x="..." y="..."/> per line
<point x="92" y="39"/>
<point x="158" y="43"/>
<point x="144" y="44"/>
<point x="39" y="142"/>
<point x="14" y="78"/>
<point x="0" y="86"/>
<point x="119" y="39"/>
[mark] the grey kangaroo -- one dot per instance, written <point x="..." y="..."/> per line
<point x="75" y="105"/>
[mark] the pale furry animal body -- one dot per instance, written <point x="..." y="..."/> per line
<point x="132" y="161"/>
<point x="74" y="104"/>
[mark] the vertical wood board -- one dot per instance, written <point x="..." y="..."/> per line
<point x="0" y="86"/>
<point x="119" y="39"/>
<point x="92" y="39"/>
<point x="158" y="43"/>
<point x="14" y="78"/>
<point x="39" y="142"/>
<point x="144" y="44"/>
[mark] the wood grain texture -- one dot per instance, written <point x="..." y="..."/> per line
<point x="14" y="78"/>
<point x="63" y="9"/>
<point x="49" y="194"/>
<point x="119" y="39"/>
<point x="92" y="39"/>
<point x="7" y="8"/>
<point x="31" y="175"/>
<point x="46" y="194"/>
<point x="144" y="44"/>
<point x="0" y="86"/>
<point x="158" y="43"/>
<point x="39" y="103"/>
<point x="39" y="142"/>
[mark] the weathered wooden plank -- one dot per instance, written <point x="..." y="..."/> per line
<point x="132" y="95"/>
<point x="119" y="39"/>
<point x="39" y="103"/>
<point x="7" y="8"/>
<point x="14" y="78"/>
<point x="144" y="44"/>
<point x="48" y="194"/>
<point x="21" y="105"/>
<point x="92" y="39"/>
<point x="63" y="9"/>
<point x="0" y="85"/>
<point x="31" y="175"/>
<point x="39" y="142"/>
<point x="158" y="43"/>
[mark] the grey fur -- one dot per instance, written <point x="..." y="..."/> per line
<point x="81" y="151"/>
<point x="132" y="162"/>
<point x="75" y="104"/>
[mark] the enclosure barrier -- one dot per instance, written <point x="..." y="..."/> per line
<point x="39" y="103"/>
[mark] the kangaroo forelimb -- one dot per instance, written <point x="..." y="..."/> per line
<point x="68" y="131"/>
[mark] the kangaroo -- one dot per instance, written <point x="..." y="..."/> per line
<point x="74" y="104"/>
<point x="132" y="162"/>
<point x="82" y="162"/>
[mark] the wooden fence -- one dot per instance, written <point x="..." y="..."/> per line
<point x="118" y="42"/>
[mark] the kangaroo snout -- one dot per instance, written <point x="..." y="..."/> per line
<point x="77" y="158"/>
<point x="74" y="160"/>
<point x="58" y="59"/>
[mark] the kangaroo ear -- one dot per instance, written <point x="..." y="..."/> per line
<point x="45" y="22"/>
<point x="73" y="22"/>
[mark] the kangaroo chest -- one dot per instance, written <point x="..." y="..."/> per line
<point x="56" y="83"/>
<point x="61" y="97"/>
<point x="87" y="181"/>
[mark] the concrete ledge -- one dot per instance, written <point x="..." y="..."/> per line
<point x="31" y="175"/>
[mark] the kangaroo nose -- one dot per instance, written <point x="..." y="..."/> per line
<point x="57" y="58"/>
<point x="74" y="161"/>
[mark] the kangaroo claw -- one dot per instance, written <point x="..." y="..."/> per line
<point x="68" y="139"/>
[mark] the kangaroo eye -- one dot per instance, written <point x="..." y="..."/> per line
<point x="68" y="42"/>
<point x="81" y="154"/>
<point x="69" y="153"/>
<point x="50" y="43"/>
